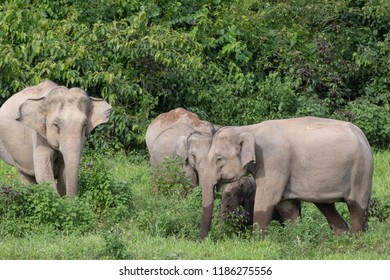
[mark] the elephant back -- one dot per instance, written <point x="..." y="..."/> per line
<point x="10" y="108"/>
<point x="168" y="119"/>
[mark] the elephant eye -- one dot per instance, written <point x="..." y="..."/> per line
<point x="219" y="160"/>
<point x="56" y="126"/>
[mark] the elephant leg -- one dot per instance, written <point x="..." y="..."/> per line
<point x="44" y="157"/>
<point x="268" y="194"/>
<point x="4" y="154"/>
<point x="335" y="220"/>
<point x="358" y="216"/>
<point x="26" y="179"/>
<point x="289" y="210"/>
<point x="261" y="219"/>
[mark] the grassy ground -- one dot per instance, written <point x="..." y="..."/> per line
<point x="166" y="225"/>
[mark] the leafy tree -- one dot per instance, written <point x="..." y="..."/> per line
<point x="232" y="62"/>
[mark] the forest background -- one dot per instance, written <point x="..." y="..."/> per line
<point x="233" y="62"/>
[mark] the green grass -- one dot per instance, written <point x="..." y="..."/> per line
<point x="164" y="226"/>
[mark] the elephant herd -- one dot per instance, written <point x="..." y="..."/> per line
<point x="267" y="168"/>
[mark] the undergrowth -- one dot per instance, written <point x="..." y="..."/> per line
<point x="120" y="212"/>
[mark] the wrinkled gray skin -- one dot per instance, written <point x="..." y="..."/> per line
<point x="43" y="130"/>
<point x="312" y="159"/>
<point x="180" y="133"/>
<point x="242" y="193"/>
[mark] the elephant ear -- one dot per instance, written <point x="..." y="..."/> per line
<point x="246" y="143"/>
<point x="99" y="113"/>
<point x="32" y="114"/>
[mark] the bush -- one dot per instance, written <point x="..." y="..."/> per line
<point x="30" y="208"/>
<point x="171" y="216"/>
<point x="37" y="207"/>
<point x="108" y="198"/>
<point x="380" y="208"/>
<point x="235" y="222"/>
<point x="374" y="120"/>
<point x="169" y="178"/>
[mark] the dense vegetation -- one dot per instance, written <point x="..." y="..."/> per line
<point x="232" y="62"/>
<point x="119" y="215"/>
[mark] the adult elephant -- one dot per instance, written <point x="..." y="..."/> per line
<point x="43" y="130"/>
<point x="181" y="140"/>
<point x="242" y="193"/>
<point x="180" y="133"/>
<point x="168" y="119"/>
<point x="311" y="159"/>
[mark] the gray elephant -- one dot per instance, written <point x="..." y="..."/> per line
<point x="168" y="119"/>
<point x="242" y="193"/>
<point x="312" y="159"/>
<point x="182" y="141"/>
<point x="43" y="130"/>
<point x="179" y="133"/>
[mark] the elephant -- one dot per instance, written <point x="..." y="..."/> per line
<point x="43" y="129"/>
<point x="180" y="133"/>
<point x="242" y="193"/>
<point x="168" y="119"/>
<point x="312" y="159"/>
<point x="181" y="140"/>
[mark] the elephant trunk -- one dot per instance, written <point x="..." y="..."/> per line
<point x="207" y="206"/>
<point x="72" y="154"/>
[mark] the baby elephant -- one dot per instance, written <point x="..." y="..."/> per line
<point x="242" y="193"/>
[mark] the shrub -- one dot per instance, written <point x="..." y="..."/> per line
<point x="374" y="120"/>
<point x="112" y="200"/>
<point x="168" y="178"/>
<point x="169" y="216"/>
<point x="36" y="207"/>
<point x="235" y="222"/>
<point x="115" y="246"/>
<point x="380" y="208"/>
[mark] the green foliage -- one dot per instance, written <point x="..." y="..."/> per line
<point x="25" y="209"/>
<point x="38" y="207"/>
<point x="163" y="216"/>
<point x="115" y="246"/>
<point x="35" y="223"/>
<point x="109" y="198"/>
<point x="374" y="120"/>
<point x="233" y="62"/>
<point x="169" y="178"/>
<point x="235" y="221"/>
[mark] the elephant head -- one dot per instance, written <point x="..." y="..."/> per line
<point x="231" y="157"/>
<point x="193" y="149"/>
<point x="239" y="194"/>
<point x="65" y="117"/>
